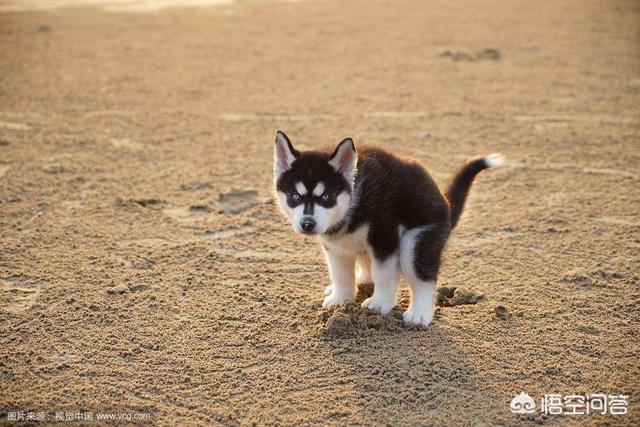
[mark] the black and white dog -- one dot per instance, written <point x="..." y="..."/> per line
<point x="373" y="210"/>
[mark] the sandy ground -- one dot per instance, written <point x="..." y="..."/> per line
<point x="132" y="281"/>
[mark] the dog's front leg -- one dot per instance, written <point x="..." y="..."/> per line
<point x="341" y="270"/>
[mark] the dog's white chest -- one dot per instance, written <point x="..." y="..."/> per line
<point x="351" y="244"/>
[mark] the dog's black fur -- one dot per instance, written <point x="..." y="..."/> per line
<point x="411" y="198"/>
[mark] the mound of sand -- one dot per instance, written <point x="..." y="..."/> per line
<point x="351" y="319"/>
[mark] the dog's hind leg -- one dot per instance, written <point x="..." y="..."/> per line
<point x="363" y="270"/>
<point x="420" y="251"/>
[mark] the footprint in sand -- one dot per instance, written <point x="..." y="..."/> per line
<point x="17" y="294"/>
<point x="488" y="54"/>
<point x="237" y="201"/>
<point x="195" y="185"/>
<point x="135" y="261"/>
<point x="58" y="164"/>
<point x="63" y="360"/>
<point x="453" y="296"/>
<point x="198" y="215"/>
<point x="189" y="216"/>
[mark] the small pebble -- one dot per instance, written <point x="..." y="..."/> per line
<point x="502" y="313"/>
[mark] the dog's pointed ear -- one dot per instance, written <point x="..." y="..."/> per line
<point x="284" y="154"/>
<point x="344" y="159"/>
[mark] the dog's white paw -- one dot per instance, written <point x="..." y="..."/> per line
<point x="336" y="298"/>
<point x="329" y="289"/>
<point x="417" y="317"/>
<point x="382" y="305"/>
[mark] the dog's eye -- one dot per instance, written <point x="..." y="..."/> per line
<point x="295" y="197"/>
<point x="325" y="197"/>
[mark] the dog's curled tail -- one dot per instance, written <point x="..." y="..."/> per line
<point x="462" y="180"/>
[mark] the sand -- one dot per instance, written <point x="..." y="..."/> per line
<point x="144" y="266"/>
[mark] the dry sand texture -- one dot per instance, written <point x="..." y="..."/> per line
<point x="128" y="283"/>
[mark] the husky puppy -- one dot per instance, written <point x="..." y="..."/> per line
<point x="375" y="212"/>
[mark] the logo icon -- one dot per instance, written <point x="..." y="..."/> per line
<point x="523" y="404"/>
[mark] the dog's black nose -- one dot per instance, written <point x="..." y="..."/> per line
<point x="308" y="224"/>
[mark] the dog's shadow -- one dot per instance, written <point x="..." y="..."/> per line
<point x="420" y="376"/>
